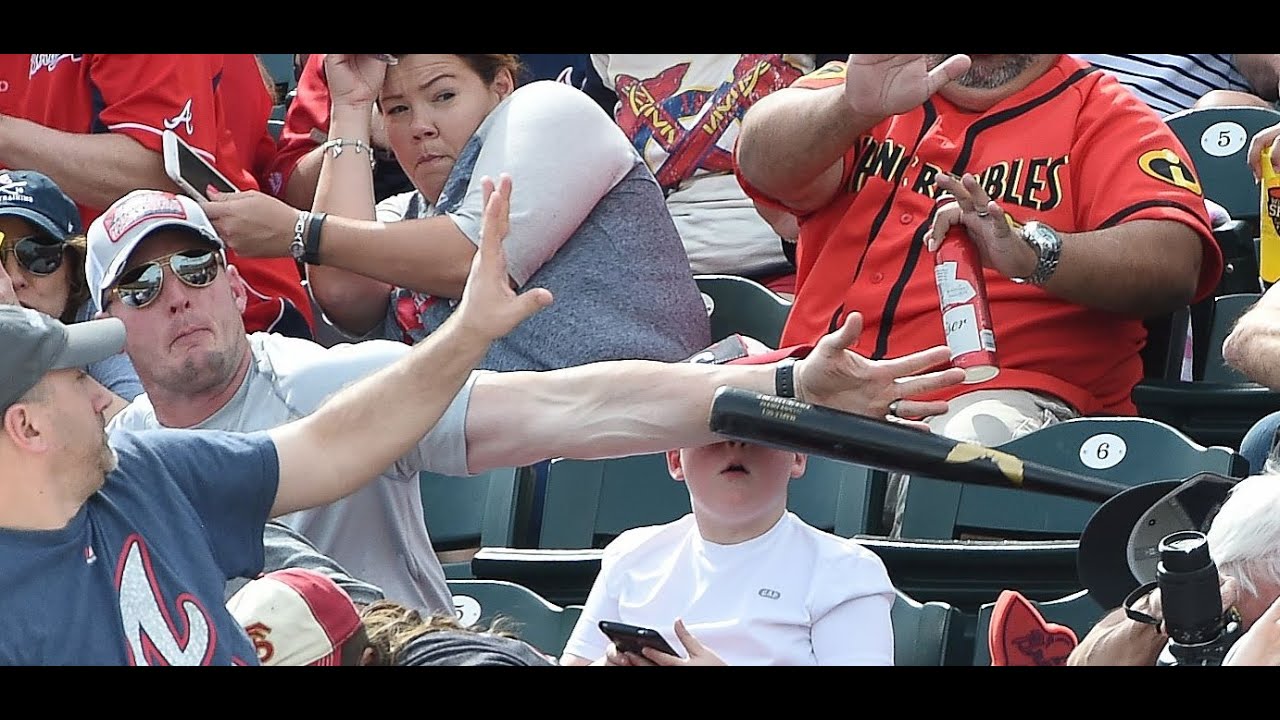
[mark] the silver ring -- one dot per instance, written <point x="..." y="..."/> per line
<point x="983" y="213"/>
<point x="893" y="408"/>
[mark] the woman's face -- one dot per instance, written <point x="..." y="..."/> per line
<point x="46" y="293"/>
<point x="432" y="105"/>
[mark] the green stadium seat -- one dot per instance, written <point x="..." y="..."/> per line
<point x="464" y="514"/>
<point x="921" y="631"/>
<point x="745" y="307"/>
<point x="537" y="621"/>
<point x="1217" y="140"/>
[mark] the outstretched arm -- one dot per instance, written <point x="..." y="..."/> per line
<point x="612" y="409"/>
<point x="364" y="428"/>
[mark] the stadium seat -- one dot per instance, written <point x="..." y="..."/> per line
<point x="537" y="621"/>
<point x="921" y="631"/>
<point x="743" y="306"/>
<point x="1226" y="310"/>
<point x="1127" y="450"/>
<point x="464" y="514"/>
<point x="1217" y="140"/>
<point x="1078" y="611"/>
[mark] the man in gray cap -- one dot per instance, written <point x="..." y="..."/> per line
<point x="200" y="370"/>
<point x="118" y="553"/>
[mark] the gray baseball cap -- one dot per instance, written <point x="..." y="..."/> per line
<point x="32" y="344"/>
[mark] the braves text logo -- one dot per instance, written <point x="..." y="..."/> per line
<point x="149" y="624"/>
<point x="183" y="118"/>
<point x="652" y="109"/>
<point x="46" y="61"/>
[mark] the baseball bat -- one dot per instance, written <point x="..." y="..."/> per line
<point x="801" y="427"/>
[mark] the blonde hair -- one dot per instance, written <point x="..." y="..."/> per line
<point x="391" y="626"/>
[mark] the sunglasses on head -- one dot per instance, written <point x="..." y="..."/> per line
<point x="37" y="254"/>
<point x="140" y="286"/>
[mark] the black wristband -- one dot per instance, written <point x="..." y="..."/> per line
<point x="784" y="378"/>
<point x="311" y="249"/>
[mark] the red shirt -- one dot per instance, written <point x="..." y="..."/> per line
<point x="307" y="117"/>
<point x="141" y="96"/>
<point x="1074" y="150"/>
<point x="244" y="89"/>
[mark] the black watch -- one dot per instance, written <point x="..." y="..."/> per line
<point x="311" y="249"/>
<point x="784" y="378"/>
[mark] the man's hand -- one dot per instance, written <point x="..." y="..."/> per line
<point x="489" y="306"/>
<point x="1265" y="138"/>
<point x="1260" y="645"/>
<point x="251" y="223"/>
<point x="8" y="296"/>
<point x="987" y="225"/>
<point x="836" y="377"/>
<point x="699" y="654"/>
<point x="878" y="86"/>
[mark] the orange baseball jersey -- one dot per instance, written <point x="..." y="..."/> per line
<point x="140" y="96"/>
<point x="1074" y="150"/>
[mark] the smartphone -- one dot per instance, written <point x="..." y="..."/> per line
<point x="191" y="172"/>
<point x="630" y="638"/>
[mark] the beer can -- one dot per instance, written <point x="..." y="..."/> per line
<point x="1269" y="224"/>
<point x="966" y="318"/>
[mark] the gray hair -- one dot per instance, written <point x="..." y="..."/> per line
<point x="1244" y="538"/>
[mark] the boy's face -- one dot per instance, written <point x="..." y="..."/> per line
<point x="735" y="480"/>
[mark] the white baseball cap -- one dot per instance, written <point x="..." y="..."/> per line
<point x="114" y="234"/>
<point x="296" y="617"/>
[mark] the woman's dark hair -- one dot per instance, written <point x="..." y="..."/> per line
<point x="488" y="66"/>
<point x="78" y="288"/>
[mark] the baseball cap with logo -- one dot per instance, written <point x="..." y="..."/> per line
<point x="115" y="233"/>
<point x="32" y="344"/>
<point x="35" y="198"/>
<point x="295" y="617"/>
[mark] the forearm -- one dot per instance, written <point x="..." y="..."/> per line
<point x="366" y="427"/>
<point x="1262" y="73"/>
<point x="597" y="411"/>
<point x="95" y="170"/>
<point x="1140" y="268"/>
<point x="428" y="255"/>
<point x="300" y="190"/>
<point x="1253" y="346"/>
<point x="344" y="187"/>
<point x="790" y="141"/>
<point x="1118" y="641"/>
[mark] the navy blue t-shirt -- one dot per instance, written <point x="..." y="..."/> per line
<point x="137" y="576"/>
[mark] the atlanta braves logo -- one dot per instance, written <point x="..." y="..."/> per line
<point x="153" y="636"/>
<point x="183" y="118"/>
<point x="49" y="61"/>
<point x="653" y="110"/>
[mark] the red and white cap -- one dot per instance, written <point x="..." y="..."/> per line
<point x="296" y="617"/>
<point x="114" y="234"/>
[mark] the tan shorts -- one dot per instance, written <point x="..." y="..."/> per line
<point x="984" y="417"/>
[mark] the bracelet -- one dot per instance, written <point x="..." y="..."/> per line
<point x="297" y="248"/>
<point x="335" y="147"/>
<point x="311" y="252"/>
<point x="784" y="378"/>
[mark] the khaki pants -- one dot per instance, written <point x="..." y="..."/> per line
<point x="984" y="417"/>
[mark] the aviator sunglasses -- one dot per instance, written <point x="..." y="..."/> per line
<point x="140" y="286"/>
<point x="37" y="254"/>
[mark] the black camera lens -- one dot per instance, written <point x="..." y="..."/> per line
<point x="1189" y="595"/>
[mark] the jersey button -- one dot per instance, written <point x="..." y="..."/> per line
<point x="907" y="218"/>
<point x="878" y="277"/>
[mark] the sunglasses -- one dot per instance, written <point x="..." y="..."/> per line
<point x="140" y="286"/>
<point x="37" y="254"/>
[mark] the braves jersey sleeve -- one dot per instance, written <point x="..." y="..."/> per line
<point x="306" y="124"/>
<point x="230" y="479"/>
<point x="143" y="95"/>
<point x="1128" y="165"/>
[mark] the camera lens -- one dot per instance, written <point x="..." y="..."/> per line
<point x="1185" y="551"/>
<point x="1188" y="580"/>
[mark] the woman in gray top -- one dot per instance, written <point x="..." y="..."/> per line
<point x="588" y="220"/>
<point x="42" y="251"/>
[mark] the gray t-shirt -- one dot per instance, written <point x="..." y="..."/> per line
<point x="282" y="547"/>
<point x="588" y="222"/>
<point x="115" y="373"/>
<point x="377" y="533"/>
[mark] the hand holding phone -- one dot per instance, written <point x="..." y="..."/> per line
<point x="189" y="171"/>
<point x="632" y="638"/>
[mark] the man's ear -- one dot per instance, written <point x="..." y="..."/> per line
<point x="799" y="465"/>
<point x="23" y="428"/>
<point x="675" y="465"/>
<point x="238" y="289"/>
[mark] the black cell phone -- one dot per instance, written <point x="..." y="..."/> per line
<point x="631" y="638"/>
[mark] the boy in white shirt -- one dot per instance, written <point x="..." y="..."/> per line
<point x="740" y="580"/>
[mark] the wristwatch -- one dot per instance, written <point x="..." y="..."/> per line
<point x="784" y="382"/>
<point x="1048" y="246"/>
<point x="297" y="248"/>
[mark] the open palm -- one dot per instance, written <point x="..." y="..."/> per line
<point x="884" y="85"/>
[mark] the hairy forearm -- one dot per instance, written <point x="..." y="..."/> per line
<point x="1139" y="268"/>
<point x="1253" y="346"/>
<point x="1118" y="641"/>
<point x="791" y="139"/>
<point x="366" y="427"/>
<point x="1262" y="73"/>
<point x="95" y="170"/>
<point x="607" y="409"/>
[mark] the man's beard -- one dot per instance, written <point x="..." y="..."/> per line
<point x="991" y="72"/>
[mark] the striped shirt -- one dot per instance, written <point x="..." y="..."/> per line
<point x="1170" y="83"/>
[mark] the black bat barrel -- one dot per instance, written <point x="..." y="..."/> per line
<point x="800" y="427"/>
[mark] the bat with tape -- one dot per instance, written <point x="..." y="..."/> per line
<point x="800" y="427"/>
